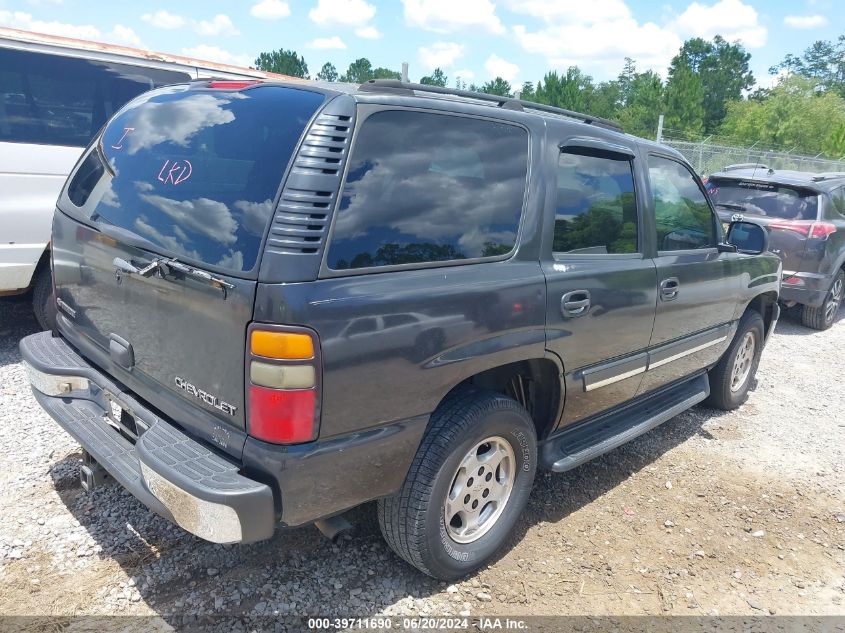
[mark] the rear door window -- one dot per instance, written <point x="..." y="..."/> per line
<point x="763" y="198"/>
<point x="195" y="172"/>
<point x="56" y="100"/>
<point x="425" y="187"/>
<point x="596" y="207"/>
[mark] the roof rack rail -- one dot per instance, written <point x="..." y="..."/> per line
<point x="509" y="103"/>
<point x="745" y="166"/>
<point x="828" y="175"/>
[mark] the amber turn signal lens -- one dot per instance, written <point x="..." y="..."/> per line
<point x="282" y="345"/>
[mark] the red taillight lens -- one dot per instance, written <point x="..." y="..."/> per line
<point x="232" y="85"/>
<point x="282" y="416"/>
<point x="817" y="230"/>
<point x="821" y="230"/>
<point x="283" y="381"/>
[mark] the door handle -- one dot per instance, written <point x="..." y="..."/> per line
<point x="669" y="289"/>
<point x="575" y="304"/>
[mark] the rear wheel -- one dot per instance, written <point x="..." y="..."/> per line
<point x="468" y="484"/>
<point x="731" y="378"/>
<point x="42" y="299"/>
<point x="822" y="318"/>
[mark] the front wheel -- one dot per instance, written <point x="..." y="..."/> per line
<point x="467" y="486"/>
<point x="822" y="318"/>
<point x="731" y="378"/>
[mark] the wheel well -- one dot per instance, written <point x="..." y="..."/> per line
<point x="764" y="305"/>
<point x="535" y="384"/>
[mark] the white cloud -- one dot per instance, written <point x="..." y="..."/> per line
<point x="25" y="21"/>
<point x="220" y="24"/>
<point x="805" y="21"/>
<point x="448" y="16"/>
<point x="217" y="54"/>
<point x="124" y="35"/>
<point x="597" y="35"/>
<point x="164" y="20"/>
<point x="368" y="33"/>
<point x="465" y="74"/>
<point x="440" y="55"/>
<point x="498" y="67"/>
<point x="555" y="11"/>
<point x="732" y="19"/>
<point x="354" y="14"/>
<point x="602" y="45"/>
<point x="342" y="13"/>
<point x="40" y="3"/>
<point x="327" y="43"/>
<point x="270" y="10"/>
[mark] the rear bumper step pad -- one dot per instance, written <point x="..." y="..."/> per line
<point x="166" y="470"/>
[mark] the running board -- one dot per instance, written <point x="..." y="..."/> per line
<point x="570" y="448"/>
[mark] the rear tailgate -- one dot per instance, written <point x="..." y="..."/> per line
<point x="187" y="174"/>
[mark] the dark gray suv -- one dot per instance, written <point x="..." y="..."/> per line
<point x="805" y="215"/>
<point x="279" y="301"/>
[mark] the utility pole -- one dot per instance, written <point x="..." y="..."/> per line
<point x="660" y="129"/>
<point x="405" y="72"/>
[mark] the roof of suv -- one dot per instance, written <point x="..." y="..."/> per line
<point x="824" y="181"/>
<point x="420" y="95"/>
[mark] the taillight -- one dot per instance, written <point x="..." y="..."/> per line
<point x="807" y="228"/>
<point x="283" y="379"/>
<point x="227" y="84"/>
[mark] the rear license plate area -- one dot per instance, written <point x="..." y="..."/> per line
<point x="120" y="419"/>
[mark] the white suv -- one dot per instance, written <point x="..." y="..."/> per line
<point x="55" y="94"/>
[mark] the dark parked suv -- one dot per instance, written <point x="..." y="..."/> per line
<point x="280" y="301"/>
<point x="805" y="215"/>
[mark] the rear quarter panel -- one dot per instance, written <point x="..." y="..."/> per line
<point x="467" y="319"/>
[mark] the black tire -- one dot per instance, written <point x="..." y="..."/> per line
<point x="43" y="304"/>
<point x="823" y="317"/>
<point x="724" y="394"/>
<point x="413" y="521"/>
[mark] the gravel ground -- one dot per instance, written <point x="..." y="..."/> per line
<point x="712" y="513"/>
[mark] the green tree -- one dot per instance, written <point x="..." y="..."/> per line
<point x="794" y="114"/>
<point x="359" y="71"/>
<point x="437" y="78"/>
<point x="385" y="73"/>
<point x="572" y="91"/>
<point x="625" y="79"/>
<point x="527" y="91"/>
<point x="823" y="62"/>
<point x="644" y="104"/>
<point x="723" y="70"/>
<point x="283" y="62"/>
<point x="327" y="73"/>
<point x="605" y="100"/>
<point x="684" y="100"/>
<point x="497" y="86"/>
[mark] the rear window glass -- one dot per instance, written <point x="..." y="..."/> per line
<point x="196" y="172"/>
<point x="57" y="100"/>
<point x="427" y="187"/>
<point x="761" y="198"/>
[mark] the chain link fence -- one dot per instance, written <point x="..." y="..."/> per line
<point x="707" y="156"/>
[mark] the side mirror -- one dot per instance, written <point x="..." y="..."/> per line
<point x="748" y="237"/>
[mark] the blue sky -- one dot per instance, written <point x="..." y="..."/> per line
<point x="475" y="39"/>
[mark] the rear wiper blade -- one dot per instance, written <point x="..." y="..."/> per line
<point x="196" y="273"/>
<point x="164" y="266"/>
<point x="730" y="205"/>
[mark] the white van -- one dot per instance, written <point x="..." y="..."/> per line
<point x="55" y="94"/>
